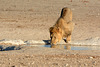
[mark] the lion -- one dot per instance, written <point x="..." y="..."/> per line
<point x="63" y="27"/>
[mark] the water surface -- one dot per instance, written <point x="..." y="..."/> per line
<point x="69" y="47"/>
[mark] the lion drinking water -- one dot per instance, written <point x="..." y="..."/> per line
<point x="63" y="27"/>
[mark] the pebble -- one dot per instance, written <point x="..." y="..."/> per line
<point x="85" y="64"/>
<point x="9" y="59"/>
<point x="90" y="57"/>
<point x="67" y="64"/>
<point x="13" y="66"/>
<point x="32" y="62"/>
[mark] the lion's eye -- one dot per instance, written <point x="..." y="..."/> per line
<point x="54" y="37"/>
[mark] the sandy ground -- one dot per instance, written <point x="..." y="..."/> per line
<point x="49" y="57"/>
<point x="31" y="19"/>
<point x="28" y="19"/>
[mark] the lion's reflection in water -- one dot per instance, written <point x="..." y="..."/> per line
<point x="60" y="46"/>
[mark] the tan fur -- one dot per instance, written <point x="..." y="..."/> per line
<point x="63" y="27"/>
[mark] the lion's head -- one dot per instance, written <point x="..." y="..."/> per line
<point x="55" y="34"/>
<point x="66" y="14"/>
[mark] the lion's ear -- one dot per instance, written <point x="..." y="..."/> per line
<point x="50" y="29"/>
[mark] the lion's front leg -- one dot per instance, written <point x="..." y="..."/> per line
<point x="68" y="39"/>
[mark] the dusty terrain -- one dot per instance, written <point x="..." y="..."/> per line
<point x="49" y="57"/>
<point x="31" y="19"/>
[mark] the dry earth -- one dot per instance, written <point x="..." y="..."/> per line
<point x="28" y="19"/>
<point x="31" y="19"/>
<point x="49" y="57"/>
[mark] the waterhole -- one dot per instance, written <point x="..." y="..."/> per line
<point x="70" y="47"/>
<point x="65" y="47"/>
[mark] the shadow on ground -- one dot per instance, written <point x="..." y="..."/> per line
<point x="47" y="42"/>
<point x="8" y="48"/>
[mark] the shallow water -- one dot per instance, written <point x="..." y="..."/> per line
<point x="69" y="47"/>
<point x="65" y="47"/>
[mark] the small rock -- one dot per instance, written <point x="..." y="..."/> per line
<point x="85" y="64"/>
<point x="90" y="57"/>
<point x="32" y="62"/>
<point x="13" y="66"/>
<point x="67" y="64"/>
<point x="9" y="59"/>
